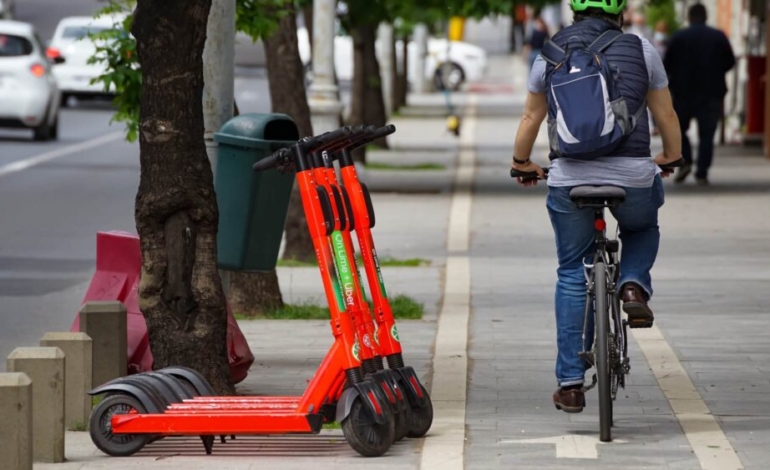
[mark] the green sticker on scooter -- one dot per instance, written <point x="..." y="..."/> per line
<point x="394" y="333"/>
<point x="356" y="350"/>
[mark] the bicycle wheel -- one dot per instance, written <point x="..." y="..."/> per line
<point x="603" y="371"/>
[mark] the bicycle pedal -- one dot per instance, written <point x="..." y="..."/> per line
<point x="640" y="323"/>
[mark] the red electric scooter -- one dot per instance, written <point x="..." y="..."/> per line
<point x="177" y="401"/>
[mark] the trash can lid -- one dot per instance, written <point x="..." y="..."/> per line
<point x="258" y="130"/>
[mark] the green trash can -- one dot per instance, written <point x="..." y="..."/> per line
<point x="252" y="205"/>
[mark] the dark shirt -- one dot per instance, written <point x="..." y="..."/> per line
<point x="537" y="39"/>
<point x="697" y="59"/>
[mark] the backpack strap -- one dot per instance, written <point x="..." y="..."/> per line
<point x="552" y="53"/>
<point x="637" y="115"/>
<point x="609" y="36"/>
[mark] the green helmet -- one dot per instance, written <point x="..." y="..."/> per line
<point x="611" y="7"/>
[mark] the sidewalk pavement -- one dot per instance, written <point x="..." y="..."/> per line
<point x="711" y="303"/>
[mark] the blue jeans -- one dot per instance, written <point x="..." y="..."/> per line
<point x="574" y="230"/>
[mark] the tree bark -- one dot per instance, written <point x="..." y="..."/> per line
<point x="253" y="294"/>
<point x="180" y="293"/>
<point x="402" y="84"/>
<point x="367" y="106"/>
<point x="287" y="93"/>
<point x="307" y="15"/>
<point x="394" y="99"/>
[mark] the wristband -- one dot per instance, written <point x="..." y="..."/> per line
<point x="520" y="162"/>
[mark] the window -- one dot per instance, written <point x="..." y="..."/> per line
<point x="14" y="46"/>
<point x="80" y="32"/>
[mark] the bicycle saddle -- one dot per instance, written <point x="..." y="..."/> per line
<point x="607" y="193"/>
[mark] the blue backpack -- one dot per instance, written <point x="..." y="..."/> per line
<point x="587" y="117"/>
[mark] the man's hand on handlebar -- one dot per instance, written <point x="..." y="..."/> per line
<point x="529" y="167"/>
<point x="662" y="160"/>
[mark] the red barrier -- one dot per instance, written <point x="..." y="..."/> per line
<point x="118" y="263"/>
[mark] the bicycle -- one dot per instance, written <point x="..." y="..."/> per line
<point x="609" y="351"/>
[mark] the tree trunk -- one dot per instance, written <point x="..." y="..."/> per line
<point x="402" y="85"/>
<point x="367" y="105"/>
<point x="287" y="93"/>
<point x="253" y="294"/>
<point x="180" y="293"/>
<point x="307" y="15"/>
<point x="394" y="99"/>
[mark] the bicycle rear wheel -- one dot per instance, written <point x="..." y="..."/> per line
<point x="603" y="372"/>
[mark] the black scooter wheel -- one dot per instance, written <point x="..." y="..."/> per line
<point x="116" y="445"/>
<point x="364" y="435"/>
<point x="422" y="417"/>
<point x="403" y="419"/>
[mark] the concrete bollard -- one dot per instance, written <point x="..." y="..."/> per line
<point x="105" y="323"/>
<point x="45" y="367"/>
<point x="16" y="431"/>
<point x="78" y="365"/>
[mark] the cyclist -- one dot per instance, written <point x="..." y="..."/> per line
<point x="640" y="79"/>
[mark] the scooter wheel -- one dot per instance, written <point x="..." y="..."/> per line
<point x="403" y="420"/>
<point x="116" y="445"/>
<point x="422" y="417"/>
<point x="364" y="435"/>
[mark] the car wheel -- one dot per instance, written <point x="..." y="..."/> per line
<point x="54" y="132"/>
<point x="449" y="76"/>
<point x="64" y="98"/>
<point x="43" y="131"/>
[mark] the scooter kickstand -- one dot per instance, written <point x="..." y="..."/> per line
<point x="208" y="444"/>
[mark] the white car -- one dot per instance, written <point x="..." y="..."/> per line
<point x="7" y="9"/>
<point x="455" y="61"/>
<point x="71" y="41"/>
<point x="29" y="97"/>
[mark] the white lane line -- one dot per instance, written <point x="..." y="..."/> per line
<point x="711" y="446"/>
<point x="444" y="446"/>
<point x="568" y="446"/>
<point x="58" y="153"/>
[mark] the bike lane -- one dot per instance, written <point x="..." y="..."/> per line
<point x="510" y="419"/>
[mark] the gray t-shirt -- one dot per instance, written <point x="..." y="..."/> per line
<point x="630" y="172"/>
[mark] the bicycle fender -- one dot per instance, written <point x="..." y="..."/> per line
<point x="129" y="389"/>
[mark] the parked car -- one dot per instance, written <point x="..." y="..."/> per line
<point x="7" y="9"/>
<point x="458" y="61"/>
<point x="72" y="42"/>
<point x="29" y="97"/>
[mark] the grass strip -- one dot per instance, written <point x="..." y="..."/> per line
<point x="404" y="308"/>
<point x="399" y="167"/>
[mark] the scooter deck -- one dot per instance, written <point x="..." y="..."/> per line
<point x="218" y="423"/>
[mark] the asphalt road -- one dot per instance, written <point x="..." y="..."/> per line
<point x="51" y="212"/>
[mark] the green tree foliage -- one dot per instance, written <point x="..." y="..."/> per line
<point x="662" y="10"/>
<point x="116" y="50"/>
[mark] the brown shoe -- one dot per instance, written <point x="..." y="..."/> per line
<point x="570" y="400"/>
<point x="635" y="305"/>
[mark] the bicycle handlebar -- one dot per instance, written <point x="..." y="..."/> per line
<point x="531" y="176"/>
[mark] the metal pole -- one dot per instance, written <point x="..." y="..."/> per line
<point x="325" y="108"/>
<point x="218" y="69"/>
<point x="421" y="85"/>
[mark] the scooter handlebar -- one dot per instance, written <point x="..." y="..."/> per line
<point x="280" y="157"/>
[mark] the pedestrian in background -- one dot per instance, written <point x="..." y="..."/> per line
<point x="537" y="37"/>
<point x="697" y="59"/>
<point x="660" y="37"/>
<point x="639" y="26"/>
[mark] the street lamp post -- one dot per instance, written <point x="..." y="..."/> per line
<point x="218" y="68"/>
<point x="325" y="107"/>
